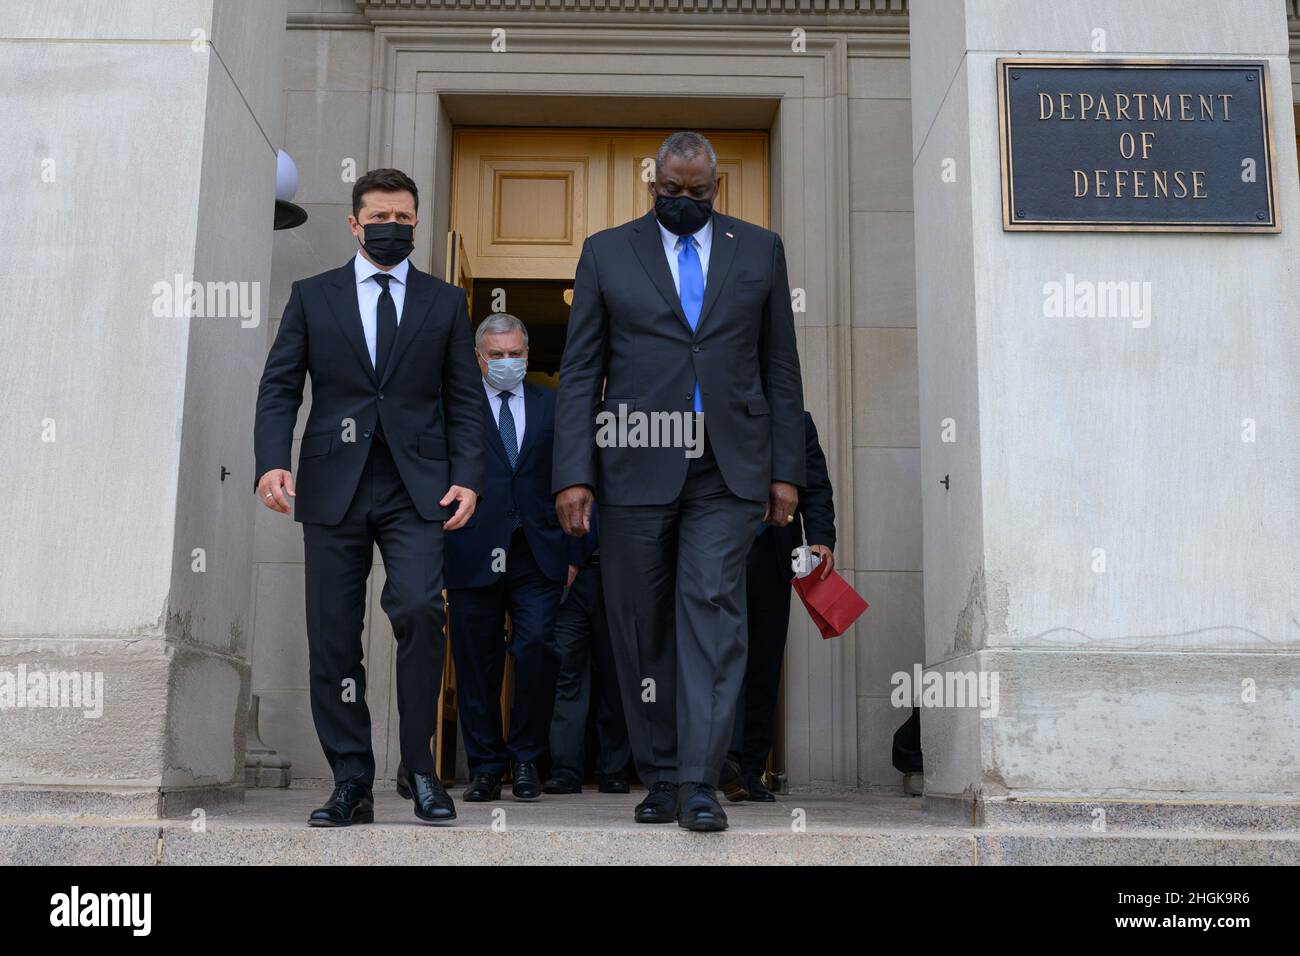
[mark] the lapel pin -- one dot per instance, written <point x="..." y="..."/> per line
<point x="730" y="236"/>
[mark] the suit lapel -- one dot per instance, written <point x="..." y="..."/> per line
<point x="648" y="245"/>
<point x="348" y="314"/>
<point x="420" y="297"/>
<point x="532" y="421"/>
<point x="721" y="255"/>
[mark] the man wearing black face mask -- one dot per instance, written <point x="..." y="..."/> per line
<point x="384" y="345"/>
<point x="684" y="311"/>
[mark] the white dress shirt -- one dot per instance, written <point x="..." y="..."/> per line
<point x="516" y="400"/>
<point x="368" y="292"/>
<point x="703" y="244"/>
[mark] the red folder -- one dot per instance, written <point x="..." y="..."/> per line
<point x="833" y="605"/>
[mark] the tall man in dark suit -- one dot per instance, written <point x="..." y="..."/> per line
<point x="684" y="311"/>
<point x="384" y="344"/>
<point x="510" y="557"/>
<point x="767" y="584"/>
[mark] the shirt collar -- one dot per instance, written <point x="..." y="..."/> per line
<point x="493" y="391"/>
<point x="363" y="269"/>
<point x="704" y="236"/>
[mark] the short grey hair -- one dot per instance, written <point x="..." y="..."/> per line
<point x="498" y="323"/>
<point x="686" y="145"/>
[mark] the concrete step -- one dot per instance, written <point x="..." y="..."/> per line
<point x="593" y="828"/>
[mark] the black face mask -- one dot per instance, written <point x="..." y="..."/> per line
<point x="388" y="243"/>
<point x="682" y="215"/>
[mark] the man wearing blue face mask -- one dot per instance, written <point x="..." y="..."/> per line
<point x="511" y="557"/>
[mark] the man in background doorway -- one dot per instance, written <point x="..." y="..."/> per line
<point x="767" y="586"/>
<point x="511" y="559"/>
<point x="586" y="661"/>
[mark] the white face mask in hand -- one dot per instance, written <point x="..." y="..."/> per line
<point x="803" y="561"/>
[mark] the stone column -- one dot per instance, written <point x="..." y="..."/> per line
<point x="141" y="165"/>
<point x="1103" y="531"/>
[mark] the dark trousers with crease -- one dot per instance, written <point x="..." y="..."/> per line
<point x="479" y="649"/>
<point x="768" y="594"/>
<point x="337" y="561"/>
<point x="582" y="640"/>
<point x="674" y="579"/>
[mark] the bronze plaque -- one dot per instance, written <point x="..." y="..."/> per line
<point x="1137" y="145"/>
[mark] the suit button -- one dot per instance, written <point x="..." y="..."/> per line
<point x="694" y="348"/>
<point x="381" y="396"/>
<point x="366" y="435"/>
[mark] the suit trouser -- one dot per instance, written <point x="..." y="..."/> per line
<point x="337" y="562"/>
<point x="674" y="579"/>
<point x="582" y="640"/>
<point x="768" y="593"/>
<point x="479" y="649"/>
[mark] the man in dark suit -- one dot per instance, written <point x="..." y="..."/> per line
<point x="510" y="557"/>
<point x="684" y="311"/>
<point x="586" y="659"/>
<point x="384" y="344"/>
<point x="767" y="585"/>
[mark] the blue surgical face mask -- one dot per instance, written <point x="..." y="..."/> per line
<point x="506" y="373"/>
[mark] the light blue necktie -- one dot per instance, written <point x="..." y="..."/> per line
<point x="690" y="289"/>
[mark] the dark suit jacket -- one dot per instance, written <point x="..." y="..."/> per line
<point x="526" y="490"/>
<point x="627" y="331"/>
<point x="433" y="357"/>
<point x="815" y="518"/>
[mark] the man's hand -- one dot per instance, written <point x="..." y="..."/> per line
<point x="827" y="556"/>
<point x="466" y="501"/>
<point x="573" y="573"/>
<point x="573" y="507"/>
<point x="782" y="501"/>
<point x="275" y="488"/>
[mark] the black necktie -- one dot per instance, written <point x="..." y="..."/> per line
<point x="385" y="324"/>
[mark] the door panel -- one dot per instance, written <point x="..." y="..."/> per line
<point x="524" y="200"/>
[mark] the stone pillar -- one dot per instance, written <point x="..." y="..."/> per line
<point x="1109" y="541"/>
<point x="141" y="165"/>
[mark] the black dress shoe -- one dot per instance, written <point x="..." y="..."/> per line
<point x="563" y="781"/>
<point x="659" y="805"/>
<point x="432" y="803"/>
<point x="699" y="809"/>
<point x="484" y="788"/>
<point x="403" y="782"/>
<point x="616" y="783"/>
<point x="527" y="782"/>
<point x="351" y="802"/>
<point x="758" y="792"/>
<point x="732" y="782"/>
